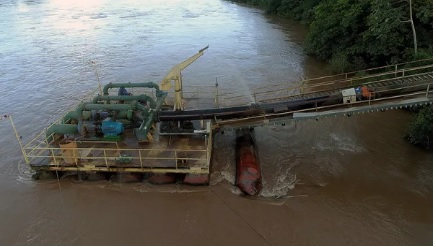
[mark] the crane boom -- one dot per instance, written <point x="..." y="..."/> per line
<point x="175" y="75"/>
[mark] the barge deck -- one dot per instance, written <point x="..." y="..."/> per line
<point x="165" y="153"/>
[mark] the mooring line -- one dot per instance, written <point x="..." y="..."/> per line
<point x="60" y="190"/>
<point x="63" y="204"/>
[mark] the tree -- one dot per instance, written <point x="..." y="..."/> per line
<point x="423" y="16"/>
<point x="300" y="10"/>
<point x="420" y="130"/>
<point x="336" y="33"/>
<point x="337" y="27"/>
<point x="357" y="34"/>
<point x="415" y="43"/>
<point x="410" y="19"/>
<point x="386" y="37"/>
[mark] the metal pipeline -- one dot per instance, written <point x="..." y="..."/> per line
<point x="148" y="114"/>
<point x="143" y="110"/>
<point x="88" y="106"/>
<point x="241" y="111"/>
<point x="133" y="85"/>
<point x="222" y="113"/>
<point x="142" y="97"/>
<point x="142" y="131"/>
<point x="61" y="129"/>
<point x="69" y="116"/>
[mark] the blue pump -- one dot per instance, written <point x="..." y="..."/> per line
<point x="111" y="128"/>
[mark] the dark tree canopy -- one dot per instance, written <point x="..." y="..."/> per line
<point x="358" y="34"/>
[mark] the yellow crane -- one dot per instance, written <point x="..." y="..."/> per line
<point x="175" y="75"/>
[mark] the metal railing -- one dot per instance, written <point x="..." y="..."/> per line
<point x="197" y="161"/>
<point x="351" y="79"/>
<point x="425" y="93"/>
<point x="44" y="151"/>
<point x="396" y="68"/>
<point x="202" y="95"/>
<point x="174" y="160"/>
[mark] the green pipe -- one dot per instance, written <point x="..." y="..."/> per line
<point x="130" y="85"/>
<point x="80" y="108"/>
<point x="152" y="116"/>
<point x="142" y="97"/>
<point x="89" y="106"/>
<point x="144" y="110"/>
<point x="60" y="129"/>
<point x="142" y="131"/>
<point x="70" y="115"/>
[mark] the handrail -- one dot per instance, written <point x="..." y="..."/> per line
<point x="114" y="154"/>
<point x="351" y="81"/>
<point x="125" y="149"/>
<point x="288" y="113"/>
<point x="89" y="95"/>
<point x="331" y="89"/>
<point x="307" y="86"/>
<point x="356" y="72"/>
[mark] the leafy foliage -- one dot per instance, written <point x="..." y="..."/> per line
<point x="368" y="32"/>
<point x="420" y="130"/>
<point x="387" y="36"/>
<point x="340" y="32"/>
<point x="357" y="34"/>
<point x="300" y="10"/>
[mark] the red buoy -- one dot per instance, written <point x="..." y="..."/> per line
<point x="248" y="174"/>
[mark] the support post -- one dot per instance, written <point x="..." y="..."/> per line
<point x="140" y="159"/>
<point x="175" y="157"/>
<point x="217" y="103"/>
<point x="19" y="140"/>
<point x="54" y="158"/>
<point x="105" y="158"/>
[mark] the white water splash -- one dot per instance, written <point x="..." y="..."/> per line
<point x="340" y="143"/>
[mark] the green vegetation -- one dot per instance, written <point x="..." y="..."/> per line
<point x="358" y="34"/>
<point x="367" y="33"/>
<point x="420" y="130"/>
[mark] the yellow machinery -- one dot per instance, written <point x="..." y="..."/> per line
<point x="175" y="75"/>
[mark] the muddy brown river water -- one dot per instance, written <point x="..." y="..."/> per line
<point x="359" y="182"/>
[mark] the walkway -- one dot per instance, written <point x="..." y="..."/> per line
<point x="388" y="87"/>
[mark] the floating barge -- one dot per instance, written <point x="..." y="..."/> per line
<point x="151" y="130"/>
<point x="124" y="137"/>
<point x="119" y="132"/>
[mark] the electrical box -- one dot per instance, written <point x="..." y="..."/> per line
<point x="349" y="95"/>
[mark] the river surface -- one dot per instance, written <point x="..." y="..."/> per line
<point x="357" y="181"/>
